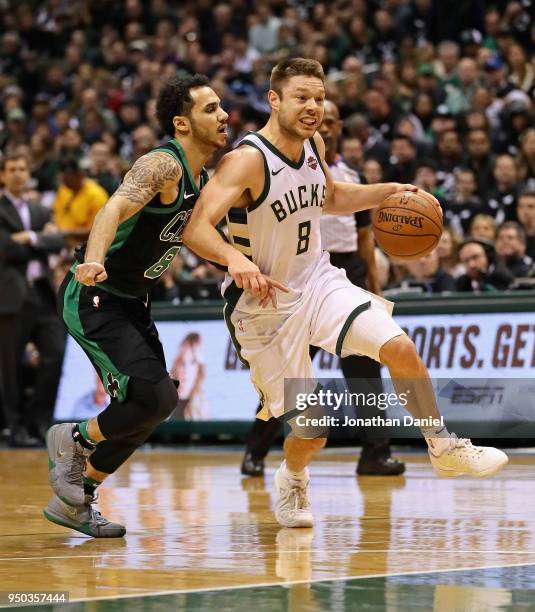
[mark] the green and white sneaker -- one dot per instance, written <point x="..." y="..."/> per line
<point x="84" y="518"/>
<point x="66" y="464"/>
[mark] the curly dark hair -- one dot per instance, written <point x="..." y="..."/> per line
<point x="174" y="99"/>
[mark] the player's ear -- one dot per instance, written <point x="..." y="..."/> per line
<point x="182" y="125"/>
<point x="274" y="99"/>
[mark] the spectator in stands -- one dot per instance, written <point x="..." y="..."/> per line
<point x="373" y="171"/>
<point x="483" y="227"/>
<point x="447" y="62"/>
<point x="448" y="159"/>
<point x="100" y="167"/>
<point x="428" y="274"/>
<point x="447" y="252"/>
<point x="403" y="160"/>
<point x="482" y="274"/>
<point x="479" y="158"/>
<point x="358" y="126"/>
<point x="44" y="164"/>
<point x="526" y="161"/>
<point x="511" y="249"/>
<point x="501" y="202"/>
<point x="77" y="201"/>
<point x="425" y="177"/>
<point x="461" y="208"/>
<point x="459" y="95"/>
<point x="352" y="153"/>
<point x="143" y="141"/>
<point x="526" y="216"/>
<point x="521" y="73"/>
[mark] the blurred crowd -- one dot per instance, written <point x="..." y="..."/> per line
<point x="438" y="93"/>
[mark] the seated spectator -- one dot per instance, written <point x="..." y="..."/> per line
<point x="482" y="274"/>
<point x="373" y="171"/>
<point x="483" y="227"/>
<point x="501" y="202"/>
<point x="526" y="215"/>
<point x="511" y="249"/>
<point x="78" y="200"/>
<point x="459" y="97"/>
<point x="403" y="160"/>
<point x="427" y="273"/>
<point x="425" y="177"/>
<point x="448" y="159"/>
<point x="464" y="205"/>
<point x="447" y="252"/>
<point x="99" y="167"/>
<point x="479" y="158"/>
<point x="526" y="160"/>
<point x="143" y="141"/>
<point x="353" y="153"/>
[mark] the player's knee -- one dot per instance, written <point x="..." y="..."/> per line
<point x="400" y="354"/>
<point x="158" y="399"/>
<point x="166" y="399"/>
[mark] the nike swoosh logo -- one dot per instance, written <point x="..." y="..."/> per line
<point x="273" y="173"/>
<point x="188" y="195"/>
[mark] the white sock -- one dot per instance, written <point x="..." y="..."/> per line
<point x="302" y="475"/>
<point x="438" y="440"/>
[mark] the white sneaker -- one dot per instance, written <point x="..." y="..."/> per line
<point x="292" y="506"/>
<point x="461" y="457"/>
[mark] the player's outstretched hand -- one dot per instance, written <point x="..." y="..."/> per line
<point x="90" y="273"/>
<point x="248" y="277"/>
<point x="271" y="295"/>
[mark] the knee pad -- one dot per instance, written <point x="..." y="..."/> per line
<point x="147" y="404"/>
<point x="158" y="399"/>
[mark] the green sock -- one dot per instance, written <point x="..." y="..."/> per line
<point x="82" y="428"/>
<point x="90" y="484"/>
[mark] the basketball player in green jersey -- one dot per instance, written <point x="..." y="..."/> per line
<point x="273" y="189"/>
<point x="104" y="303"/>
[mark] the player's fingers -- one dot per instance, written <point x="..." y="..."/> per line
<point x="262" y="285"/>
<point x="254" y="287"/>
<point x="265" y="300"/>
<point x="276" y="284"/>
<point x="238" y="280"/>
<point x="101" y="276"/>
<point x="409" y="187"/>
<point x="273" y="295"/>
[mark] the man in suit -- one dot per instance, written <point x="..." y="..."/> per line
<point x="27" y="304"/>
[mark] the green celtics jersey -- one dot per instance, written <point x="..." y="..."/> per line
<point x="146" y="244"/>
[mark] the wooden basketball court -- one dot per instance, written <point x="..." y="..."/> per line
<point x="202" y="537"/>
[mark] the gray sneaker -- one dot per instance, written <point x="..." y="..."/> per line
<point x="84" y="518"/>
<point x="66" y="464"/>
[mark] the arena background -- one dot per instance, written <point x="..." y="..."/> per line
<point x="439" y="93"/>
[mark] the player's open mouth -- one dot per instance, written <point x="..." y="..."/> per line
<point x="308" y="122"/>
<point x="223" y="129"/>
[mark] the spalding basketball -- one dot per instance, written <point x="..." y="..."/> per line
<point x="408" y="224"/>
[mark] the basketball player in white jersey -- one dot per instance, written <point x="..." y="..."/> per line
<point x="283" y="294"/>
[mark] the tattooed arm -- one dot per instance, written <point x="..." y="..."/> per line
<point x="155" y="172"/>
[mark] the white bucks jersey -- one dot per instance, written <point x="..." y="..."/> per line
<point x="280" y="231"/>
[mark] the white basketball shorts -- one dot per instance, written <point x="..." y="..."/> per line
<point x="277" y="346"/>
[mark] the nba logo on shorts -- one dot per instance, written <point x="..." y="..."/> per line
<point x="240" y="326"/>
<point x="96" y="301"/>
